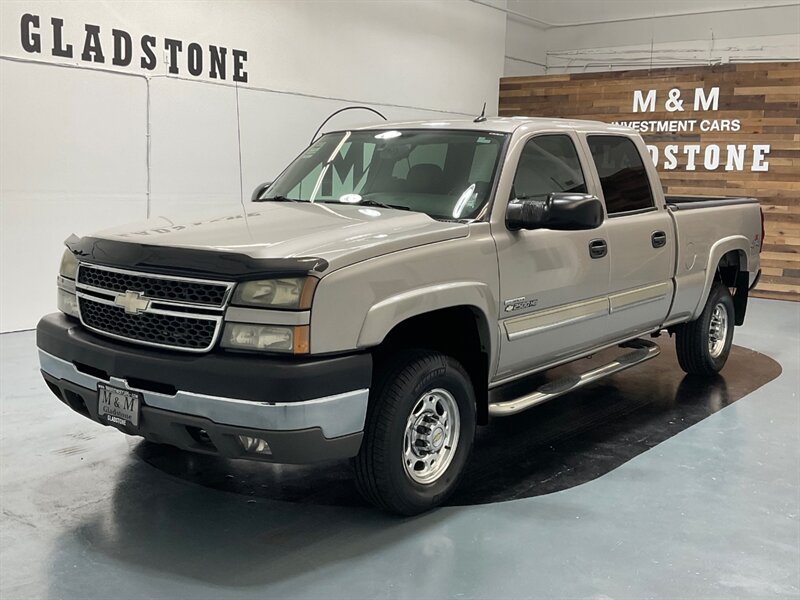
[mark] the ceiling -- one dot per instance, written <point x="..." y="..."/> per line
<point x="557" y="13"/>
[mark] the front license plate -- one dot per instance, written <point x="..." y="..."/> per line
<point x="118" y="406"/>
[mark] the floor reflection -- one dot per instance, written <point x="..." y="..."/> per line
<point x="552" y="447"/>
<point x="223" y="539"/>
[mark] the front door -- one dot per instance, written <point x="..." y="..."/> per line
<point x="554" y="294"/>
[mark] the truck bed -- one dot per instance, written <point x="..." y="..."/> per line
<point x="726" y="223"/>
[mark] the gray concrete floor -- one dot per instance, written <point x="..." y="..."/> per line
<point x="712" y="512"/>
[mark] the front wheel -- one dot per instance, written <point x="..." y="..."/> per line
<point x="703" y="345"/>
<point x="419" y="432"/>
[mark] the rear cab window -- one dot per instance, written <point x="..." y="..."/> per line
<point x="623" y="176"/>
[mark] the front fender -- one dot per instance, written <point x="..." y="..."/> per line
<point x="390" y="312"/>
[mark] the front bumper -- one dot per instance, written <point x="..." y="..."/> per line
<point x="307" y="410"/>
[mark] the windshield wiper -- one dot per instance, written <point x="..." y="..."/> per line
<point x="368" y="202"/>
<point x="278" y="199"/>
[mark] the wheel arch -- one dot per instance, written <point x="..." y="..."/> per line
<point x="728" y="258"/>
<point x="451" y="318"/>
<point x="387" y="314"/>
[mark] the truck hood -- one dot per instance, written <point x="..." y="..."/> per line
<point x="340" y="234"/>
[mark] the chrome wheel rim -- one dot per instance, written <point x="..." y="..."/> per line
<point x="717" y="330"/>
<point x="431" y="436"/>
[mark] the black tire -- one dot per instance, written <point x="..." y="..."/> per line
<point x="692" y="340"/>
<point x="381" y="474"/>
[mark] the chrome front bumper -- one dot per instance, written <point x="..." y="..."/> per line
<point x="336" y="416"/>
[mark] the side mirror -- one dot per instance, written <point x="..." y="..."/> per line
<point x="567" y="212"/>
<point x="260" y="189"/>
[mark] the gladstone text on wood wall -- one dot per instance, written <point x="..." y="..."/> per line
<point x="721" y="130"/>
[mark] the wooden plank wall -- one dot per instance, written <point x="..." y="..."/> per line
<point x="764" y="97"/>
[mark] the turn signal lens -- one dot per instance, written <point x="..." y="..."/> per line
<point x="301" y="342"/>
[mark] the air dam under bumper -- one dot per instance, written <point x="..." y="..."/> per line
<point x="275" y="399"/>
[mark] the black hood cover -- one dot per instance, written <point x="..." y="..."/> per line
<point x="188" y="262"/>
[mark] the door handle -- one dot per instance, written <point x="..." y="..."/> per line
<point x="658" y="239"/>
<point x="598" y="248"/>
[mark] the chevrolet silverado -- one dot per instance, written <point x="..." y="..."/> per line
<point x="388" y="293"/>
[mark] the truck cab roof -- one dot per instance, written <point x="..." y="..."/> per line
<point x="503" y="125"/>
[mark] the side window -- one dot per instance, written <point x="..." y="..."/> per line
<point x="549" y="163"/>
<point x="623" y="177"/>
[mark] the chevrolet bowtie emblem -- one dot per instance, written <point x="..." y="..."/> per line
<point x="132" y="302"/>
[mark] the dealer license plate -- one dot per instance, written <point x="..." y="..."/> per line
<point x="117" y="406"/>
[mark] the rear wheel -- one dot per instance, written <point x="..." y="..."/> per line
<point x="703" y="345"/>
<point x="419" y="432"/>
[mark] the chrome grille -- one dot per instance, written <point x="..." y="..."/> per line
<point x="153" y="328"/>
<point x="157" y="288"/>
<point x="168" y="312"/>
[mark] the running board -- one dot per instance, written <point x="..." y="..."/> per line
<point x="643" y="350"/>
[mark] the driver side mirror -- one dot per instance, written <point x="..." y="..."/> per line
<point x="260" y="189"/>
<point x="561" y="211"/>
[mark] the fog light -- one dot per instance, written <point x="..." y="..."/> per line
<point x="67" y="303"/>
<point x="254" y="445"/>
<point x="258" y="337"/>
<point x="270" y="338"/>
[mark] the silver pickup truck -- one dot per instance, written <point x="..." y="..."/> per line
<point x="378" y="300"/>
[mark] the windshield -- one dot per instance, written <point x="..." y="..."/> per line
<point x="446" y="174"/>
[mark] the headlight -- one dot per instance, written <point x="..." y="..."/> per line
<point x="271" y="338"/>
<point x="69" y="265"/>
<point x="288" y="292"/>
<point x="66" y="300"/>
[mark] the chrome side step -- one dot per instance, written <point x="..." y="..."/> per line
<point x="643" y="350"/>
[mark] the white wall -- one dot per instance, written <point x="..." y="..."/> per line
<point x="74" y="135"/>
<point x="548" y="36"/>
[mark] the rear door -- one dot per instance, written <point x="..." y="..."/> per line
<point x="554" y="295"/>
<point x="641" y="245"/>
